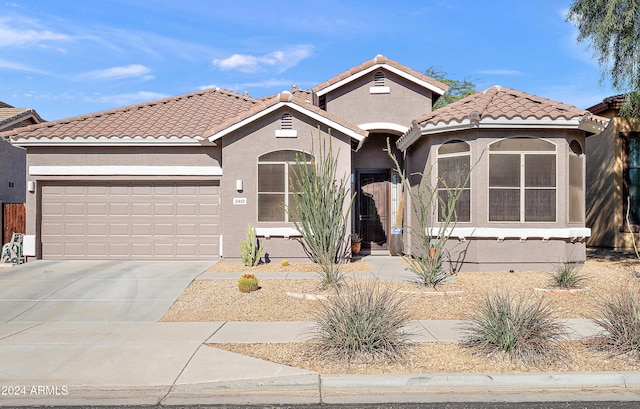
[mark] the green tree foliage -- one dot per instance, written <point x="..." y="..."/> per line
<point x="457" y="89"/>
<point x="612" y="28"/>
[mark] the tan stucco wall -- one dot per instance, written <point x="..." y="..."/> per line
<point x="487" y="254"/>
<point x="112" y="156"/>
<point x="405" y="102"/>
<point x="241" y="151"/>
<point x="605" y="207"/>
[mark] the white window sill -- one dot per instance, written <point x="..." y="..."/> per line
<point x="268" y="232"/>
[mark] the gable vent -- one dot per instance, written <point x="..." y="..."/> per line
<point x="378" y="79"/>
<point x="286" y="127"/>
<point x="378" y="84"/>
<point x="286" y="122"/>
<point x="322" y="102"/>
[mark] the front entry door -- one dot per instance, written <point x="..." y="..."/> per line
<point x="373" y="208"/>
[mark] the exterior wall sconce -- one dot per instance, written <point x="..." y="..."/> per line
<point x="239" y="185"/>
<point x="31" y="186"/>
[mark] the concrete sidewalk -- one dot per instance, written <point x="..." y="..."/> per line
<point x="171" y="363"/>
<point x="139" y="361"/>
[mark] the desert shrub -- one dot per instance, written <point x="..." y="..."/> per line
<point x="621" y="323"/>
<point x="250" y="248"/>
<point x="522" y="328"/>
<point x="434" y="204"/>
<point x="321" y="210"/>
<point x="247" y="283"/>
<point x="363" y="320"/>
<point x="568" y="275"/>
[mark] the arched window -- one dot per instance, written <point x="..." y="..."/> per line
<point x="276" y="183"/>
<point x="522" y="180"/>
<point x="454" y="162"/>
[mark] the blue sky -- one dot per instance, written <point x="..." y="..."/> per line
<point x="68" y="57"/>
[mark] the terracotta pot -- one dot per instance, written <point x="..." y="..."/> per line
<point x="355" y="248"/>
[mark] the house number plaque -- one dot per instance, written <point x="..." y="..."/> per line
<point x="239" y="200"/>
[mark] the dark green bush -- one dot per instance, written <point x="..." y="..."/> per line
<point x="519" y="326"/>
<point x="361" y="320"/>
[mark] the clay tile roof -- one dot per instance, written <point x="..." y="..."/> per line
<point x="499" y="102"/>
<point x="285" y="97"/>
<point x="614" y="102"/>
<point x="183" y="116"/>
<point x="380" y="60"/>
<point x="9" y="115"/>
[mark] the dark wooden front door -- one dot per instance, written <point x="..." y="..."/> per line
<point x="373" y="208"/>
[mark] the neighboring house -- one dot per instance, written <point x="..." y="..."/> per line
<point x="613" y="178"/>
<point x="182" y="177"/>
<point x="13" y="159"/>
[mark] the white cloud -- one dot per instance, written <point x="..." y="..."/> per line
<point x="115" y="73"/>
<point x="128" y="98"/>
<point x="9" y="65"/>
<point x="500" y="72"/>
<point x="280" y="60"/>
<point x="10" y="35"/>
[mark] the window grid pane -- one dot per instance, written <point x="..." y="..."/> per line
<point x="540" y="170"/>
<point x="271" y="207"/>
<point x="540" y="205"/>
<point x="504" y="170"/>
<point x="504" y="205"/>
<point x="271" y="178"/>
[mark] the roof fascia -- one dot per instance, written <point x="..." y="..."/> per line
<point x="396" y="71"/>
<point x="489" y="123"/>
<point x="106" y="141"/>
<point x="302" y="110"/>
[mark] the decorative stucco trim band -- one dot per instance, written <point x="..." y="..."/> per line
<point x="462" y="233"/>
<point x="125" y="171"/>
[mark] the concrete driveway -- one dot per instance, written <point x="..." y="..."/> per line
<point x="93" y="291"/>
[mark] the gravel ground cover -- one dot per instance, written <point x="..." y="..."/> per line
<point x="278" y="300"/>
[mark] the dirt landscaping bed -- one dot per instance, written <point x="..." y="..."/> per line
<point x="279" y="300"/>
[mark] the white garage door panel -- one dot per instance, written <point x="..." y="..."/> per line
<point x="131" y="220"/>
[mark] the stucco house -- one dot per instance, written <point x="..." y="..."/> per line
<point x="613" y="182"/>
<point x="183" y="176"/>
<point x="13" y="159"/>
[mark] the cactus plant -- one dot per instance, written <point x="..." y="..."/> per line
<point x="247" y="283"/>
<point x="250" y="248"/>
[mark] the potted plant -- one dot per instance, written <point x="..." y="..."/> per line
<point x="356" y="243"/>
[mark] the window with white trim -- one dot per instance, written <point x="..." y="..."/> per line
<point x="576" y="183"/>
<point x="454" y="161"/>
<point x="522" y="180"/>
<point x="276" y="183"/>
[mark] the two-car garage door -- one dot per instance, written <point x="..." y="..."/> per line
<point x="142" y="220"/>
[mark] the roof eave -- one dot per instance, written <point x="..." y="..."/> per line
<point x="111" y="141"/>
<point x="331" y="124"/>
<point x="374" y="67"/>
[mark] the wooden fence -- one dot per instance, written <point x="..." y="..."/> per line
<point x="13" y="220"/>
